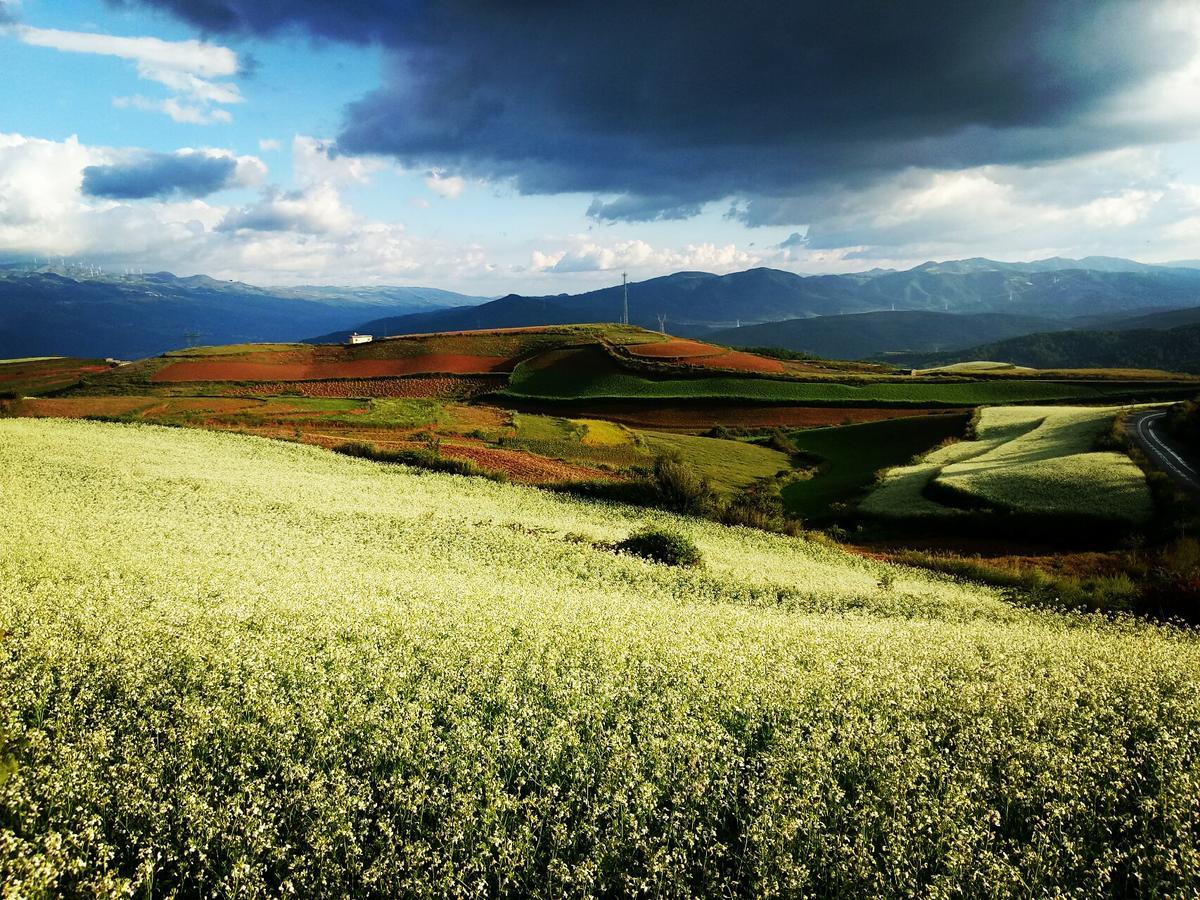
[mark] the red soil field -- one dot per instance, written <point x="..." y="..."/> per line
<point x="69" y="408"/>
<point x="695" y="353"/>
<point x="697" y="418"/>
<point x="673" y="348"/>
<point x="19" y="372"/>
<point x="412" y="388"/>
<point x="738" y="361"/>
<point x="238" y="370"/>
<point x="519" y="465"/>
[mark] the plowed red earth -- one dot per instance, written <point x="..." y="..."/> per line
<point x="516" y="464"/>
<point x="695" y="353"/>
<point x="84" y="406"/>
<point x="701" y="418"/>
<point x="740" y="362"/>
<point x="413" y="388"/>
<point x="238" y="370"/>
<point x="673" y="348"/>
<point x="17" y="372"/>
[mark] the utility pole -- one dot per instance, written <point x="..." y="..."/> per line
<point x="625" y="288"/>
<point x="662" y="323"/>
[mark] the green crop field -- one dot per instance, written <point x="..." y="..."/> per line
<point x="241" y="668"/>
<point x="589" y="374"/>
<point x="850" y="456"/>
<point x="728" y="465"/>
<point x="1033" y="460"/>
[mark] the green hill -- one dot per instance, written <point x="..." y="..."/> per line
<point x="862" y="335"/>
<point x="1171" y="350"/>
<point x="391" y="683"/>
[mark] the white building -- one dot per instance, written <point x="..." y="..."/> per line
<point x="357" y="338"/>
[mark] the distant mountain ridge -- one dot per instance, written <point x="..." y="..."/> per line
<point x="697" y="303"/>
<point x="1173" y="349"/>
<point x="44" y="313"/>
<point x="863" y="335"/>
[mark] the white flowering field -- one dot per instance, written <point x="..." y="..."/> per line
<point x="1025" y="459"/>
<point x="231" y="667"/>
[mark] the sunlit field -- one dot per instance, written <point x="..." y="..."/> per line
<point x="235" y="667"/>
<point x="1029" y="460"/>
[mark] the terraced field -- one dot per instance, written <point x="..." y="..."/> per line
<point x="42" y="374"/>
<point x="395" y="683"/>
<point x="589" y="374"/>
<point x="1026" y="460"/>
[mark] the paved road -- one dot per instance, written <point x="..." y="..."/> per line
<point x="1146" y="429"/>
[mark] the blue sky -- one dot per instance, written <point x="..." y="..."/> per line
<point x="360" y="150"/>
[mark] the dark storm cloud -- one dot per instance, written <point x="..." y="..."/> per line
<point x="160" y="175"/>
<point x="638" y="208"/>
<point x="670" y="105"/>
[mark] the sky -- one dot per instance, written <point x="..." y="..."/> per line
<point x="541" y="147"/>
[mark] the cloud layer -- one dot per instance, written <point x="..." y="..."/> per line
<point x="659" y="108"/>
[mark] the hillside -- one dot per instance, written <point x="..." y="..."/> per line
<point x="1170" y="349"/>
<point x="401" y="684"/>
<point x="695" y="303"/>
<point x="46" y="313"/>
<point x="862" y="335"/>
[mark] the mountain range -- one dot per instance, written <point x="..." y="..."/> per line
<point x="57" y="313"/>
<point x="699" y="304"/>
<point x="1167" y="340"/>
<point x="961" y="303"/>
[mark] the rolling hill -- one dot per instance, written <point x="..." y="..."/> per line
<point x="861" y="335"/>
<point x="1170" y="349"/>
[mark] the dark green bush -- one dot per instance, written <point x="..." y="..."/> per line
<point x="681" y="488"/>
<point x="420" y="458"/>
<point x="661" y="546"/>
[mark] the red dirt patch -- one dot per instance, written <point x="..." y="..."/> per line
<point x="696" y="353"/>
<point x="740" y="362"/>
<point x="697" y="418"/>
<point x="674" y="348"/>
<point x="412" y="388"/>
<point x="72" y="408"/>
<point x="518" y="465"/>
<point x="238" y="370"/>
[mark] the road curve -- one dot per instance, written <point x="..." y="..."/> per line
<point x="1145" y="428"/>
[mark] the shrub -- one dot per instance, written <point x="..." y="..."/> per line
<point x="781" y="442"/>
<point x="681" y="488"/>
<point x="661" y="546"/>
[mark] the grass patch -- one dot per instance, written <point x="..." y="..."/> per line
<point x="729" y="466"/>
<point x="1025" y="461"/>
<point x="851" y="455"/>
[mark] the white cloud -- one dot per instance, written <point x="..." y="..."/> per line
<point x="584" y="254"/>
<point x="43" y="213"/>
<point x="188" y="68"/>
<point x="314" y="161"/>
<point x="317" y="210"/>
<point x="449" y="187"/>
<point x="269" y="145"/>
<point x="197" y="57"/>
<point x="187" y="113"/>
<point x="1122" y="203"/>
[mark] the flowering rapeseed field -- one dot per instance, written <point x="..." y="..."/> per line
<point x="238" y="668"/>
<point x="1038" y="460"/>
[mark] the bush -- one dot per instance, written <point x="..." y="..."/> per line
<point x="658" y="545"/>
<point x="420" y="458"/>
<point x="681" y="488"/>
